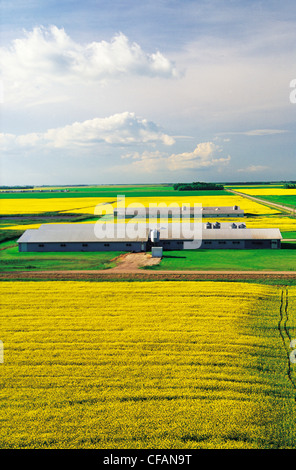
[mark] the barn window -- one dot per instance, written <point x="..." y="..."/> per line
<point x="235" y="243"/>
<point x="222" y="243"/>
<point x="208" y="243"/>
<point x="179" y="243"/>
<point x="84" y="244"/>
<point x="128" y="244"/>
<point x="63" y="244"/>
<point x="41" y="245"/>
<point x="106" y="244"/>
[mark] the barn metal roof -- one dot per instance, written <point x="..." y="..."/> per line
<point x="225" y="232"/>
<point x="174" y="210"/>
<point x="62" y="233"/>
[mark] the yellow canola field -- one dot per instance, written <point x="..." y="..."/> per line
<point x="19" y="227"/>
<point x="84" y="205"/>
<point x="89" y="205"/>
<point x="144" y="365"/>
<point x="285" y="224"/>
<point x="206" y="201"/>
<point x="268" y="192"/>
<point x="98" y="206"/>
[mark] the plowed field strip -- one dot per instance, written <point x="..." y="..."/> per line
<point x="141" y="274"/>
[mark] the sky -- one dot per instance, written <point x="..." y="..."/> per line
<point x="162" y="91"/>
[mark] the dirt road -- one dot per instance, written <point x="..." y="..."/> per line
<point x="131" y="262"/>
<point x="145" y="274"/>
<point x="263" y="201"/>
<point x="131" y="269"/>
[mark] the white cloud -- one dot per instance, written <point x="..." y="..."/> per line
<point x="124" y="129"/>
<point x="145" y="155"/>
<point x="206" y="154"/>
<point x="259" y="132"/>
<point x="48" y="56"/>
<point x="253" y="169"/>
<point x="256" y="132"/>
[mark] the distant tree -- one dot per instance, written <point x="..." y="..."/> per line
<point x="198" y="186"/>
<point x="16" y="187"/>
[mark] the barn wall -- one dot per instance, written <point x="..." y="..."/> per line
<point x="83" y="247"/>
<point x="23" y="247"/>
<point x="167" y="245"/>
<point x="261" y="244"/>
<point x="175" y="245"/>
<point x="223" y="215"/>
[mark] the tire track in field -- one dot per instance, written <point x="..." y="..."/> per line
<point x="284" y="331"/>
<point x="86" y="207"/>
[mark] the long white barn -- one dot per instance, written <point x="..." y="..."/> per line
<point x="206" y="211"/>
<point x="142" y="237"/>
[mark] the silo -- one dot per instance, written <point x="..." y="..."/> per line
<point x="154" y="235"/>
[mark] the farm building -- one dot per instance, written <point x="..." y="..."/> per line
<point x="171" y="212"/>
<point x="78" y="237"/>
<point x="142" y="237"/>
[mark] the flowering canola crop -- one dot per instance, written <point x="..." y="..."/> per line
<point x="89" y="205"/>
<point x="145" y="365"/>
<point x="268" y="191"/>
<point x="83" y="205"/>
<point x="206" y="201"/>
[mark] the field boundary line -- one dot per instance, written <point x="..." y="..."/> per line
<point x="140" y="274"/>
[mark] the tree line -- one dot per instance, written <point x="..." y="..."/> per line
<point x="197" y="186"/>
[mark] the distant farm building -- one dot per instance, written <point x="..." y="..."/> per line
<point x="220" y="211"/>
<point x="84" y="237"/>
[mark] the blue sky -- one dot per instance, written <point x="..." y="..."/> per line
<point x="157" y="91"/>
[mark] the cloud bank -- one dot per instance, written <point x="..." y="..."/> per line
<point x="253" y="169"/>
<point x="205" y="155"/>
<point x="256" y="132"/>
<point x="48" y="55"/>
<point x="123" y="129"/>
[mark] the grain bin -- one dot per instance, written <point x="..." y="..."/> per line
<point x="154" y="235"/>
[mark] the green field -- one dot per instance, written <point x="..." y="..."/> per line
<point x="291" y="235"/>
<point x="12" y="260"/>
<point x="267" y="259"/>
<point x="111" y="191"/>
<point x="249" y="260"/>
<point x="202" y="259"/>
<point x="289" y="201"/>
<point x="158" y="365"/>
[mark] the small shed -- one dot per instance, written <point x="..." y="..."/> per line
<point x="156" y="251"/>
